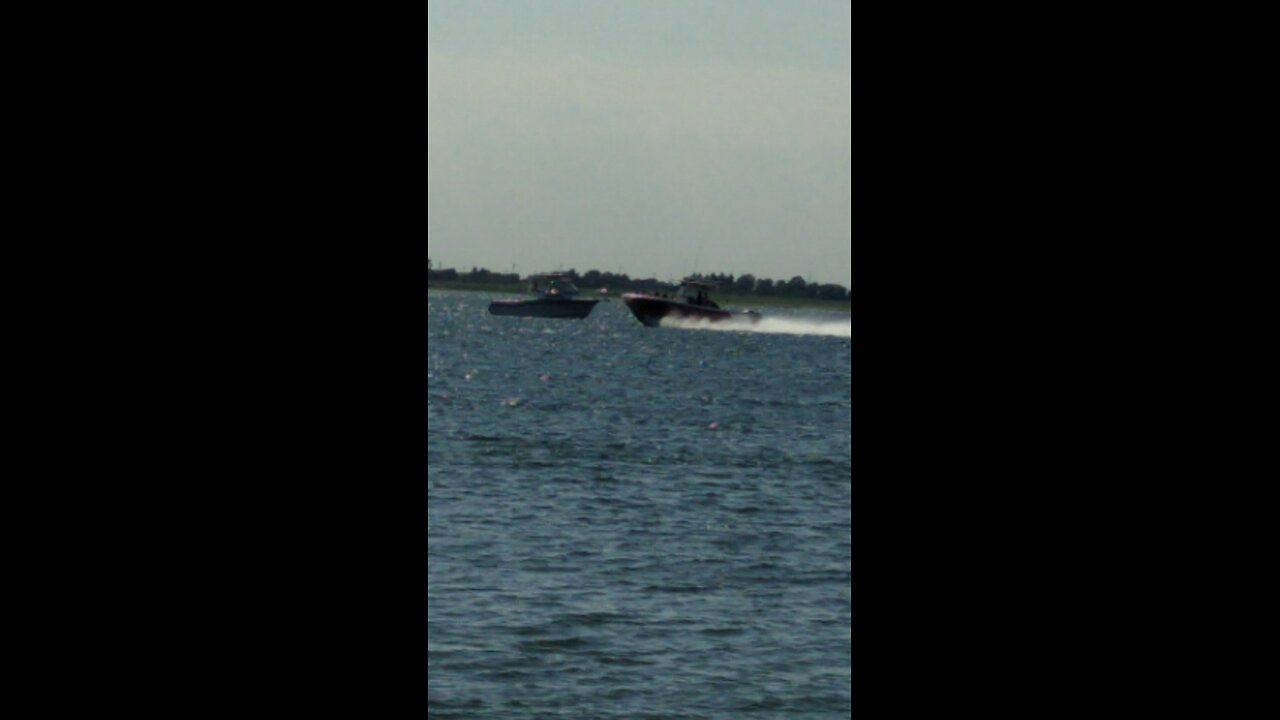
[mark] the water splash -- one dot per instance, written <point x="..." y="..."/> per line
<point x="840" y="328"/>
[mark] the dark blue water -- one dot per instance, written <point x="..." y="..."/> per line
<point x="631" y="522"/>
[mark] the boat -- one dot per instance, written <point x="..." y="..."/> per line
<point x="691" y="302"/>
<point x="557" y="297"/>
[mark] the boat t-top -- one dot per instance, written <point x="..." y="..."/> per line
<point x="557" y="297"/>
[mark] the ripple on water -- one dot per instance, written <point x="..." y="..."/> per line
<point x="630" y="522"/>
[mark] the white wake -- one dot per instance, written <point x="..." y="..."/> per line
<point x="768" y="325"/>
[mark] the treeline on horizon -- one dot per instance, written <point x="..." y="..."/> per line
<point x="747" y="284"/>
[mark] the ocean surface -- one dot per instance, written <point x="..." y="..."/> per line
<point x="631" y="522"/>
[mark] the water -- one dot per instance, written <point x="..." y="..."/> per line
<point x="631" y="522"/>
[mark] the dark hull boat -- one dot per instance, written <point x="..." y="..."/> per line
<point x="689" y="304"/>
<point x="572" y="308"/>
<point x="652" y="310"/>
<point x="557" y="298"/>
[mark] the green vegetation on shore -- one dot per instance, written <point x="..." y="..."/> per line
<point x="741" y="292"/>
<point x="725" y="300"/>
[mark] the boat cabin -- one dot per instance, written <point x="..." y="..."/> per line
<point x="695" y="292"/>
<point x="552" y="285"/>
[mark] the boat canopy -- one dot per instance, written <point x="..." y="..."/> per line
<point x="707" y="285"/>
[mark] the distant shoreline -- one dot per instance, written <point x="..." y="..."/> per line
<point x="723" y="298"/>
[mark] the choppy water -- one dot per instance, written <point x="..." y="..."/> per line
<point x="631" y="522"/>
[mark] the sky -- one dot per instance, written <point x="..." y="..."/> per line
<point x="657" y="138"/>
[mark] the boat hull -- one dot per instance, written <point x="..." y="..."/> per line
<point x="568" y="309"/>
<point x="651" y="311"/>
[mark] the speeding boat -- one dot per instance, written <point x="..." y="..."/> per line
<point x="557" y="297"/>
<point x="690" y="302"/>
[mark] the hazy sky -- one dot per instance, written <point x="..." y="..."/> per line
<point x="655" y="137"/>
